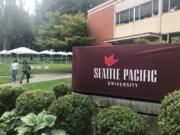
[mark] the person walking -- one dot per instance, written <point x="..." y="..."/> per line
<point x="14" y="69"/>
<point x="25" y="71"/>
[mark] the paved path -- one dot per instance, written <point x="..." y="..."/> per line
<point x="43" y="77"/>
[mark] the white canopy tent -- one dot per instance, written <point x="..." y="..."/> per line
<point x="47" y="52"/>
<point x="64" y="53"/>
<point x="52" y="53"/>
<point x="23" y="50"/>
<point x="61" y="53"/>
<point x="5" y="52"/>
<point x="69" y="53"/>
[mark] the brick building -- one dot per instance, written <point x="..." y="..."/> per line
<point x="126" y="20"/>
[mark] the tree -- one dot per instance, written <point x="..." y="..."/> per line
<point x="15" y="26"/>
<point x="175" y="40"/>
<point x="65" y="6"/>
<point x="62" y="32"/>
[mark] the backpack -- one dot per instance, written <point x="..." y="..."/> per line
<point x="29" y="67"/>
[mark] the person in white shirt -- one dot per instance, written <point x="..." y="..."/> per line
<point x="14" y="69"/>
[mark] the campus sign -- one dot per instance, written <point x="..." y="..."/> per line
<point x="143" y="72"/>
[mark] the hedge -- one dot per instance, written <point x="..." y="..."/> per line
<point x="34" y="101"/>
<point x="118" y="120"/>
<point x="8" y="96"/>
<point x="169" y="116"/>
<point x="73" y="113"/>
<point x="61" y="89"/>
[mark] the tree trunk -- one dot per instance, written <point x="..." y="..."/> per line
<point x="5" y="44"/>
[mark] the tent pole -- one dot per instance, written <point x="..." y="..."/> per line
<point x="66" y="59"/>
<point x="17" y="55"/>
<point x="36" y="58"/>
<point x="51" y="59"/>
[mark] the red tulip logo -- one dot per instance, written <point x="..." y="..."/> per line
<point x="109" y="61"/>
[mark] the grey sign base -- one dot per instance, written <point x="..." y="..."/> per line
<point x="137" y="106"/>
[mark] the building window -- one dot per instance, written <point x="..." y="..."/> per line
<point x="174" y="5"/>
<point x="165" y="6"/>
<point x="171" y="5"/>
<point x="131" y="15"/>
<point x="117" y="18"/>
<point x="146" y="10"/>
<point x="137" y="13"/>
<point x="124" y="17"/>
<point x="155" y="7"/>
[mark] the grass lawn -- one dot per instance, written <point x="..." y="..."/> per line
<point x="8" y="79"/>
<point x="52" y="68"/>
<point x="46" y="85"/>
<point x="4" y="80"/>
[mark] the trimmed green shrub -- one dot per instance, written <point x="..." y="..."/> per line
<point x="34" y="101"/>
<point x="61" y="89"/>
<point x="169" y="116"/>
<point x="8" y="96"/>
<point x="2" y="108"/>
<point x="118" y="120"/>
<point x="73" y="113"/>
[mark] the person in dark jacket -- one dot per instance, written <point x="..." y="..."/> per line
<point x="25" y="71"/>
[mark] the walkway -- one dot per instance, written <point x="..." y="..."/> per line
<point x="43" y="77"/>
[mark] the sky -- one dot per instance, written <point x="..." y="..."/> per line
<point x="30" y="5"/>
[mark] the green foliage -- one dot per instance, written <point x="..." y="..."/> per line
<point x="159" y="42"/>
<point x="169" y="118"/>
<point x="63" y="31"/>
<point x="39" y="124"/>
<point x="8" y="122"/>
<point x="146" y="41"/>
<point x="119" y="120"/>
<point x="141" y="41"/>
<point x="15" y="25"/>
<point x="175" y="39"/>
<point x="34" y="101"/>
<point x="31" y="124"/>
<point x="61" y="89"/>
<point x="73" y="113"/>
<point x="66" y="6"/>
<point x="47" y="85"/>
<point x="8" y="96"/>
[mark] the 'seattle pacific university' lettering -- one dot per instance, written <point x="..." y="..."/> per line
<point x="123" y="77"/>
<point x="136" y="75"/>
<point x="143" y="72"/>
